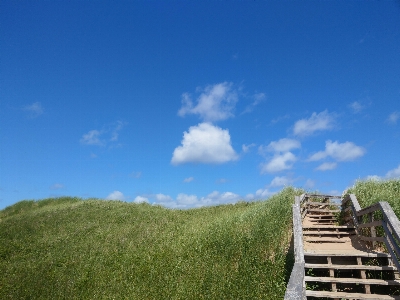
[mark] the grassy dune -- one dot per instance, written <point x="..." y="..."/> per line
<point x="372" y="191"/>
<point x="95" y="249"/>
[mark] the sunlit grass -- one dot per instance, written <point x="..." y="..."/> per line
<point x="96" y="249"/>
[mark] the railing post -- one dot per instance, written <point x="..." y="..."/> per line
<point x="373" y="231"/>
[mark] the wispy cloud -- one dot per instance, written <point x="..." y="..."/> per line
<point x="280" y="181"/>
<point x="395" y="173"/>
<point x="356" y="107"/>
<point x="116" y="195"/>
<point x="34" y="109"/>
<point x="189" y="179"/>
<point x="246" y="148"/>
<point x="317" y="122"/>
<point x="108" y="135"/>
<point x="57" y="186"/>
<point x="136" y="174"/>
<point x="141" y="199"/>
<point x="257" y="99"/>
<point x="282" y="145"/>
<point x="215" y="103"/>
<point x="278" y="163"/>
<point x="204" y="143"/>
<point x="393" y="117"/>
<point x="327" y="166"/>
<point x="346" y="151"/>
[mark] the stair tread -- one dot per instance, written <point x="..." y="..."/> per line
<point x="350" y="267"/>
<point x="345" y="295"/>
<point x="325" y="232"/>
<point x="328" y="226"/>
<point x="324" y="210"/>
<point x="352" y="280"/>
<point x="347" y="253"/>
<point x="325" y="240"/>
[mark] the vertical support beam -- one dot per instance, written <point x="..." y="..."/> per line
<point x="373" y="231"/>
<point x="331" y="274"/>
<point x="367" y="287"/>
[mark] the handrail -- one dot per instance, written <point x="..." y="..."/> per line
<point x="296" y="287"/>
<point x="390" y="224"/>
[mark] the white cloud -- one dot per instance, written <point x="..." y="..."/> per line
<point x="309" y="184"/>
<point x="92" y="138"/>
<point x="279" y="163"/>
<point x="346" y="151"/>
<point x="258" y="98"/>
<point x="393" y="173"/>
<point x="163" y="198"/>
<point x="115" y="128"/>
<point x="222" y="180"/>
<point x="204" y="143"/>
<point x="189" y="179"/>
<point x="35" y="109"/>
<point x="57" y="186"/>
<point x="283" y="145"/>
<point x="140" y="199"/>
<point x="116" y="195"/>
<point x="215" y="103"/>
<point x="327" y="166"/>
<point x="374" y="177"/>
<point x="393" y="117"/>
<point x="280" y="181"/>
<point x="246" y="148"/>
<point x="356" y="106"/>
<point x="317" y="122"/>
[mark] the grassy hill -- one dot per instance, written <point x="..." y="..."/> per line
<point x="95" y="249"/>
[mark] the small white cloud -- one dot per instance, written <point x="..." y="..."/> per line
<point x="246" y="148"/>
<point x="309" y="184"/>
<point x="189" y="179"/>
<point x="279" y="163"/>
<point x="204" y="143"/>
<point x="356" y="106"/>
<point x="92" y="138"/>
<point x="327" y="166"/>
<point x="116" y="195"/>
<point x="215" y="103"/>
<point x="317" y="122"/>
<point x="140" y="199"/>
<point x="393" y="117"/>
<point x="57" y="186"/>
<point x="258" y="98"/>
<point x="35" y="109"/>
<point x="114" y="130"/>
<point x="280" y="181"/>
<point x="135" y="174"/>
<point x="374" y="177"/>
<point x="222" y="180"/>
<point x="395" y="173"/>
<point x="283" y="145"/>
<point x="346" y="151"/>
<point x="163" y="198"/>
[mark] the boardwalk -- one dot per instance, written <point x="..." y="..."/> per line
<point x="342" y="257"/>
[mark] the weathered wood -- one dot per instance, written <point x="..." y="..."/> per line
<point x="355" y="202"/>
<point x="295" y="289"/>
<point x="346" y="295"/>
<point x="322" y="203"/>
<point x="329" y="226"/>
<point x="391" y="219"/>
<point x="325" y="232"/>
<point x="351" y="280"/>
<point x="368" y="210"/>
<point x="371" y="239"/>
<point x="349" y="267"/>
<point x="370" y="224"/>
<point x="297" y="234"/>
<point x="324" y="210"/>
<point x="324" y="240"/>
<point x="349" y="254"/>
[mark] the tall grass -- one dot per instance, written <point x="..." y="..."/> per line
<point x="95" y="249"/>
<point x="369" y="192"/>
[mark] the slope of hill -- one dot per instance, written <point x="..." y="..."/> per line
<point x="96" y="249"/>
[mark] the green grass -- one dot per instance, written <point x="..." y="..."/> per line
<point x="69" y="248"/>
<point x="369" y="192"/>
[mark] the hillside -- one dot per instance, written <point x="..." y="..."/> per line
<point x="95" y="249"/>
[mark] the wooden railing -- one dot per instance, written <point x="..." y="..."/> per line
<point x="296" y="286"/>
<point x="376" y="224"/>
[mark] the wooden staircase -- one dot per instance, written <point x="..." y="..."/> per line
<point x="338" y="261"/>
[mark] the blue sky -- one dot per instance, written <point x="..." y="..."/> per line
<point x="192" y="103"/>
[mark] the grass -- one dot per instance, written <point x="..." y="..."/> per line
<point x="95" y="249"/>
<point x="369" y="192"/>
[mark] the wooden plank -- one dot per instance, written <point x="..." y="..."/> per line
<point x="391" y="219"/>
<point x="351" y="280"/>
<point x="368" y="210"/>
<point x="321" y="203"/>
<point x="323" y="217"/>
<point x="370" y="239"/>
<point x="355" y="202"/>
<point x="350" y="267"/>
<point x="325" y="210"/>
<point x="297" y="233"/>
<point x="324" y="232"/>
<point x="346" y="295"/>
<point x="370" y="224"/>
<point x="324" y="240"/>
<point x="350" y="254"/>
<point x="295" y="289"/>
<point x="329" y="226"/>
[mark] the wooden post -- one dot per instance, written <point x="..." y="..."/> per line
<point x="373" y="231"/>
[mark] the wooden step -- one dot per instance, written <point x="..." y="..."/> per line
<point x="344" y="295"/>
<point x="325" y="240"/>
<point x="328" y="226"/>
<point x="322" y="203"/>
<point x="324" y="210"/>
<point x="351" y="280"/>
<point x="326" y="232"/>
<point x="350" y="254"/>
<point x="350" y="267"/>
<point x="322" y="217"/>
